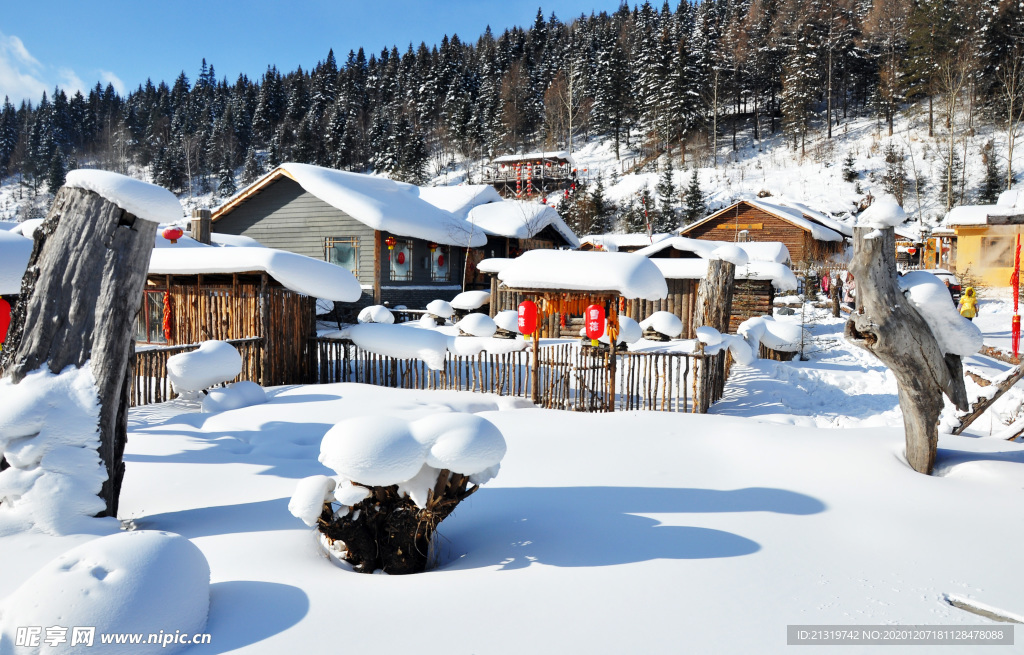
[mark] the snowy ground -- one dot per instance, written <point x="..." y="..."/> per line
<point x="638" y="532"/>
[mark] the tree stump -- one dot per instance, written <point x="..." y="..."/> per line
<point x="887" y="325"/>
<point x="388" y="532"/>
<point x="714" y="309"/>
<point x="79" y="298"/>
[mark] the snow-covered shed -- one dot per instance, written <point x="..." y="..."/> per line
<point x="620" y="242"/>
<point x="197" y="292"/>
<point x="760" y="273"/>
<point x="528" y="174"/>
<point x="986" y="237"/>
<point x="810" y="236"/>
<point x="402" y="246"/>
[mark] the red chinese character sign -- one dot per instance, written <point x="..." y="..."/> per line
<point x="594" y="319"/>
<point x="1015" y="283"/>
<point x="5" y="319"/>
<point x="527" y="317"/>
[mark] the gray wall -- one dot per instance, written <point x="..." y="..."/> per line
<point x="285" y="216"/>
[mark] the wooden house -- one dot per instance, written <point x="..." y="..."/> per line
<point x="810" y="236"/>
<point x="683" y="262"/>
<point x="196" y="292"/>
<point x="620" y="242"/>
<point x="986" y="237"/>
<point x="402" y="249"/>
<point x="533" y="173"/>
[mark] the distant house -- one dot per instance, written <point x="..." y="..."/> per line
<point x="810" y="236"/>
<point x="620" y="242"/>
<point x="530" y="174"/>
<point x="402" y="248"/>
<point x="986" y="238"/>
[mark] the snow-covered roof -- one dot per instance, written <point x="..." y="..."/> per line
<point x="520" y="220"/>
<point x="984" y="215"/>
<point x="757" y="251"/>
<point x="630" y="275"/>
<point x="147" y="201"/>
<point x="789" y="214"/>
<point x="1013" y="198"/>
<point x="380" y="203"/>
<point x="299" y="273"/>
<point x="14" y="253"/>
<point x="530" y="156"/>
<point x="696" y="268"/>
<point x="493" y="264"/>
<point x="459" y="199"/>
<point x="612" y="242"/>
<point x="817" y="216"/>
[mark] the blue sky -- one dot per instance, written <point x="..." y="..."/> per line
<point x="47" y="43"/>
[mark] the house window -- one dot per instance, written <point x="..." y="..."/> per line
<point x="440" y="264"/>
<point x="401" y="261"/>
<point x="149" y="323"/>
<point x="997" y="252"/>
<point x="343" y="251"/>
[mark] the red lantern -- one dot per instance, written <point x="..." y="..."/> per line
<point x="594" y="319"/>
<point x="401" y="258"/>
<point x="433" y="247"/>
<point x="527" y="317"/>
<point x="172" y="234"/>
<point x="440" y="260"/>
<point x="912" y="250"/>
<point x="543" y="201"/>
<point x="390" y="242"/>
<point x="5" y="319"/>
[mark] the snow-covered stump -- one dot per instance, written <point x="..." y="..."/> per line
<point x="396" y="481"/>
<point x="81" y="293"/>
<point x="888" y="325"/>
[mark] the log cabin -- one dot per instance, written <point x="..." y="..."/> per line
<point x="986" y="238"/>
<point x="530" y="174"/>
<point x="403" y="249"/>
<point x="620" y="242"/>
<point x="810" y="237"/>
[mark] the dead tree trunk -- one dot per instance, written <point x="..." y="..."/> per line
<point x="981" y="406"/>
<point x="79" y="298"/>
<point x="714" y="308"/>
<point x="888" y="326"/>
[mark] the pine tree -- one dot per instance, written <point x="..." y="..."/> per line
<point x="226" y="179"/>
<point x="667" y="195"/>
<point x="952" y="169"/>
<point x="694" y="205"/>
<point x="895" y="181"/>
<point x="992" y="185"/>
<point x="252" y="169"/>
<point x="849" y="172"/>
<point x="56" y="173"/>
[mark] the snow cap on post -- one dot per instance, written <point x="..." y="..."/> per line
<point x="146" y="201"/>
<point x="883" y="213"/>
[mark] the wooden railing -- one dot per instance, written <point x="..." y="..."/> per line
<point x="149" y="372"/>
<point x="568" y="377"/>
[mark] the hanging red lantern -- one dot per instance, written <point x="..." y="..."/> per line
<point x="390" y="242"/>
<point x="594" y="320"/>
<point x="433" y="247"/>
<point x="5" y="319"/>
<point x="440" y="260"/>
<point x="527" y="317"/>
<point x="401" y="258"/>
<point x="912" y="250"/>
<point x="172" y="234"/>
<point x="543" y="201"/>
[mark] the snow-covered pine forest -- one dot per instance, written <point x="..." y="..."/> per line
<point x="718" y="85"/>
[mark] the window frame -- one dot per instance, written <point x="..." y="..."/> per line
<point x="393" y="255"/>
<point x="142" y="319"/>
<point x="445" y="251"/>
<point x="329" y="243"/>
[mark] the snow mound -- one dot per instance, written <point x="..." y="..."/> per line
<point x="376" y="314"/>
<point x="212" y="363"/>
<point x="308" y="500"/>
<point x="665" y="323"/>
<point x="147" y="201"/>
<point x="782" y="276"/>
<point x="629" y="331"/>
<point x="715" y="342"/>
<point x="954" y="333"/>
<point x="470" y="300"/>
<point x="49" y="433"/>
<point x="441" y="308"/>
<point x="142" y="582"/>
<point x="709" y="336"/>
<point x="507" y="320"/>
<point x="520" y="220"/>
<point x="234" y="396"/>
<point x="477" y="325"/>
<point x="459" y="200"/>
<point x="631" y="275"/>
<point x="730" y="252"/>
<point x="398" y="341"/>
<point x="783" y="337"/>
<point x="472" y="346"/>
<point x="382" y="450"/>
<point x="15" y="251"/>
<point x="883" y="213"/>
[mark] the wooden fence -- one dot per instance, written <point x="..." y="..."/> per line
<point x="149" y="371"/>
<point x="568" y="377"/>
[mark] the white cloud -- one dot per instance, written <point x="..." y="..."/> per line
<point x="107" y="77"/>
<point x="70" y="82"/>
<point x="20" y="72"/>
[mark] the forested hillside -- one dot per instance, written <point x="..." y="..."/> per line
<point x="683" y="81"/>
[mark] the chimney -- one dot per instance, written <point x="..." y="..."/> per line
<point x="201" y="225"/>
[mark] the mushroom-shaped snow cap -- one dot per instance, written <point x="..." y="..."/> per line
<point x="462" y="443"/>
<point x="441" y="308"/>
<point x="507" y="320"/>
<point x="376" y="314"/>
<point x="372" y="450"/>
<point x="665" y="323"/>
<point x="478" y="325"/>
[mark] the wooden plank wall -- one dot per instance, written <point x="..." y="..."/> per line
<point x="750" y="298"/>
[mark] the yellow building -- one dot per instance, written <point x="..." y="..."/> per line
<point x="986" y="237"/>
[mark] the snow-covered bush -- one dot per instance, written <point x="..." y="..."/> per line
<point x="664" y="323"/>
<point x="399" y="341"/>
<point x="144" y="582"/>
<point x="477" y="325"/>
<point x="376" y="314"/>
<point x="508" y="321"/>
<point x="471" y="300"/>
<point x="395" y="482"/>
<point x="234" y="396"/>
<point x="212" y="363"/>
<point x="440" y="308"/>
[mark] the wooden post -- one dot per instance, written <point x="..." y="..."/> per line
<point x="888" y="326"/>
<point x="535" y="385"/>
<point x="201" y="225"/>
<point x="79" y="299"/>
<point x="265" y="330"/>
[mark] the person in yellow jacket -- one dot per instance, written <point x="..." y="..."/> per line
<point x="968" y="306"/>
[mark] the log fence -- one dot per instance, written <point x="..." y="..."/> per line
<point x="149" y="371"/>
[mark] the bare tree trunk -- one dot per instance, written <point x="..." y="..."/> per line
<point x="890" y="328"/>
<point x="79" y="298"/>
